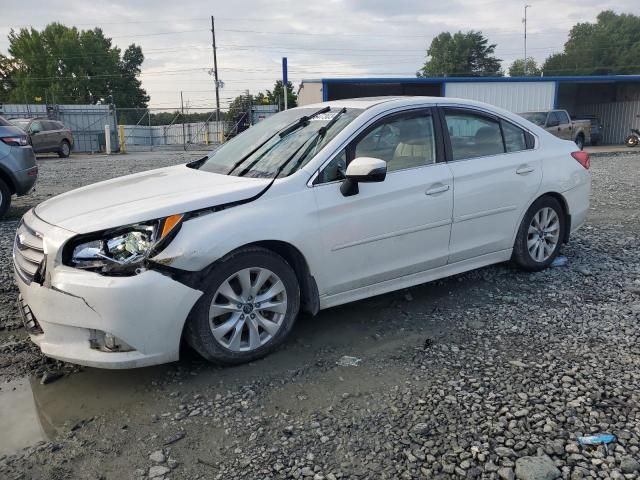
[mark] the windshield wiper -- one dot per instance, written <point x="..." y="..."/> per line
<point x="284" y="132"/>
<point x="320" y="134"/>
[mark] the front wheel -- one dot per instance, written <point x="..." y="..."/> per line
<point x="632" y="141"/>
<point x="250" y="303"/>
<point x="540" y="235"/>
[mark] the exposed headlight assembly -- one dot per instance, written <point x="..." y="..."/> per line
<point x="122" y="250"/>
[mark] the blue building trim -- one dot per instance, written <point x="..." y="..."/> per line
<point x="442" y="80"/>
<point x="556" y="94"/>
<point x="325" y="91"/>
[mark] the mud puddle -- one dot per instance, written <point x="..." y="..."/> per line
<point x="31" y="412"/>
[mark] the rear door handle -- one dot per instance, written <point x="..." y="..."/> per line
<point x="437" y="190"/>
<point x="524" y="170"/>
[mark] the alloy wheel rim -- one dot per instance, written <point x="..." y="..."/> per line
<point x="543" y="234"/>
<point x="248" y="309"/>
<point x="65" y="149"/>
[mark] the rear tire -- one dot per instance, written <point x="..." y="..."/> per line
<point x="580" y="142"/>
<point x="65" y="149"/>
<point x="239" y="318"/>
<point x="5" y="198"/>
<point x="540" y="235"/>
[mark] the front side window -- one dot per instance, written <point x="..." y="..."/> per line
<point x="403" y="141"/>
<point x="473" y="135"/>
<point x="563" y="117"/>
<point x="37" y="126"/>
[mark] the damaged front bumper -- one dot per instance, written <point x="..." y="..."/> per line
<point x="101" y="321"/>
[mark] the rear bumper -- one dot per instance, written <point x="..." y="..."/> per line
<point x="147" y="311"/>
<point x="25" y="180"/>
<point x="578" y="202"/>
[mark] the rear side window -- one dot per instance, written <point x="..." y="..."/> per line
<point x="473" y="135"/>
<point x="515" y="139"/>
<point x="49" y="125"/>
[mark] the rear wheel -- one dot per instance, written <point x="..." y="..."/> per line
<point x="580" y="142"/>
<point x="65" y="149"/>
<point x="5" y="198"/>
<point x="250" y="303"/>
<point x="632" y="141"/>
<point x="540" y="235"/>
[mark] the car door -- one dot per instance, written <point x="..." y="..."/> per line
<point x="496" y="175"/>
<point x="566" y="130"/>
<point x="38" y="136"/>
<point x="53" y="134"/>
<point x="390" y="229"/>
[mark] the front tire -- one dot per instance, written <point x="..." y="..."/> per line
<point x="540" y="235"/>
<point x="250" y="303"/>
<point x="5" y="198"/>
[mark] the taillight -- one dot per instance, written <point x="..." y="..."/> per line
<point x="15" y="141"/>
<point x="583" y="158"/>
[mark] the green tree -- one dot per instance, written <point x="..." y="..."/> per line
<point x="276" y="96"/>
<point x="462" y="55"/>
<point x="67" y="65"/>
<point x="7" y="68"/>
<point x="516" y="69"/>
<point x="608" y="46"/>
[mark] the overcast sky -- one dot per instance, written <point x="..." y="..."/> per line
<point x="326" y="39"/>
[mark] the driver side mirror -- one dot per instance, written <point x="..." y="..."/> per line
<point x="363" y="169"/>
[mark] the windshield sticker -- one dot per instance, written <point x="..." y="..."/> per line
<point x="324" y="117"/>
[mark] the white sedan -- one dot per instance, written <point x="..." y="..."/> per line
<point x="312" y="208"/>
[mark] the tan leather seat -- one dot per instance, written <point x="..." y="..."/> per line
<point x="411" y="154"/>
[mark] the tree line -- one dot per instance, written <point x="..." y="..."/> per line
<point x="607" y="47"/>
<point x="61" y="64"/>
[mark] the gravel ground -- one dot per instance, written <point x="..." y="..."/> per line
<point x="489" y="374"/>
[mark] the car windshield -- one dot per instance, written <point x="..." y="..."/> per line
<point x="23" y="123"/>
<point x="539" y="118"/>
<point x="261" y="151"/>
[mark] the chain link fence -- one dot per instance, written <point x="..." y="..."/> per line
<point x="165" y="129"/>
<point x="87" y="122"/>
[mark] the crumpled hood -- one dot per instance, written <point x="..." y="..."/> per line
<point x="144" y="196"/>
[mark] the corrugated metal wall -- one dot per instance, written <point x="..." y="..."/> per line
<point x="172" y="135"/>
<point x="616" y="117"/>
<point x="86" y="121"/>
<point x="515" y="97"/>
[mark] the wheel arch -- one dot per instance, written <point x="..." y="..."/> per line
<point x="8" y="180"/>
<point x="565" y="210"/>
<point x="309" y="295"/>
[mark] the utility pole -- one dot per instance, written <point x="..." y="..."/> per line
<point x="525" y="38"/>
<point x="215" y="76"/>
<point x="285" y="81"/>
<point x="184" y="135"/>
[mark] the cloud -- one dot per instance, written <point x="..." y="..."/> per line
<point x="321" y="39"/>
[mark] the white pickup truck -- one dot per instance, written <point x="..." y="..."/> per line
<point x="559" y="123"/>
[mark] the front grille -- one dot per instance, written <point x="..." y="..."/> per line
<point x="28" y="318"/>
<point x="28" y="253"/>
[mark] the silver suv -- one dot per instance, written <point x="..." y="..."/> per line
<point x="18" y="168"/>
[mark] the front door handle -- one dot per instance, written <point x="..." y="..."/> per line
<point x="437" y="190"/>
<point x="524" y="170"/>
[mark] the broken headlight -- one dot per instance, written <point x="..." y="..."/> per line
<point x="121" y="251"/>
